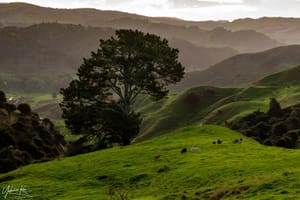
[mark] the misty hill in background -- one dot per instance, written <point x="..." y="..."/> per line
<point x="195" y="57"/>
<point x="20" y="14"/>
<point x="46" y="56"/>
<point x="244" y="69"/>
<point x="43" y="58"/>
<point x="284" y="30"/>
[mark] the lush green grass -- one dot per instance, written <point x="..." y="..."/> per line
<point x="245" y="171"/>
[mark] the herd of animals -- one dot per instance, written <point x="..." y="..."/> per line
<point x="197" y="149"/>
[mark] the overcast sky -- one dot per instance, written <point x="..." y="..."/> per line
<point x="186" y="9"/>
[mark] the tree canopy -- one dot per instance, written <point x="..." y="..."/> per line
<point x="128" y="64"/>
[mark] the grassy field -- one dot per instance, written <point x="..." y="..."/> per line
<point x="226" y="171"/>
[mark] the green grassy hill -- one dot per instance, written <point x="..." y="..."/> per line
<point x="227" y="171"/>
<point x="213" y="105"/>
<point x="283" y="78"/>
<point x="180" y="110"/>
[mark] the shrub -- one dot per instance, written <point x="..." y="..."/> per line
<point x="268" y="142"/>
<point x="279" y="129"/>
<point x="2" y="97"/>
<point x="282" y="142"/>
<point x="274" y="108"/>
<point x="10" y="107"/>
<point x="292" y="123"/>
<point x="24" y="108"/>
<point x="295" y="112"/>
<point x="262" y="129"/>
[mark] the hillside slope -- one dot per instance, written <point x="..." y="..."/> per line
<point x="289" y="76"/>
<point x="244" y="69"/>
<point x="283" y="85"/>
<point x="226" y="171"/>
<point x="183" y="109"/>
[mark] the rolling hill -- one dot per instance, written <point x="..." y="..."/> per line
<point x="281" y="85"/>
<point x="226" y="171"/>
<point x="186" y="108"/>
<point x="211" y="105"/>
<point x="244" y="69"/>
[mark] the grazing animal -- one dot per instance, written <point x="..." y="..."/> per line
<point x="195" y="149"/>
<point x="214" y="142"/>
<point x="157" y="157"/>
<point x="184" y="150"/>
<point x="220" y="141"/>
<point x="238" y="141"/>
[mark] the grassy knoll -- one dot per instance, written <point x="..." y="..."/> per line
<point x="229" y="171"/>
<point x="180" y="110"/>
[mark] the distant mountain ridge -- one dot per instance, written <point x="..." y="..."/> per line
<point x="20" y="14"/>
<point x="284" y="30"/>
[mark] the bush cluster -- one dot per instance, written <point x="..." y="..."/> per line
<point x="277" y="127"/>
<point x="25" y="137"/>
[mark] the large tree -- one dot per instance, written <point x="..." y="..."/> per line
<point x="130" y="63"/>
